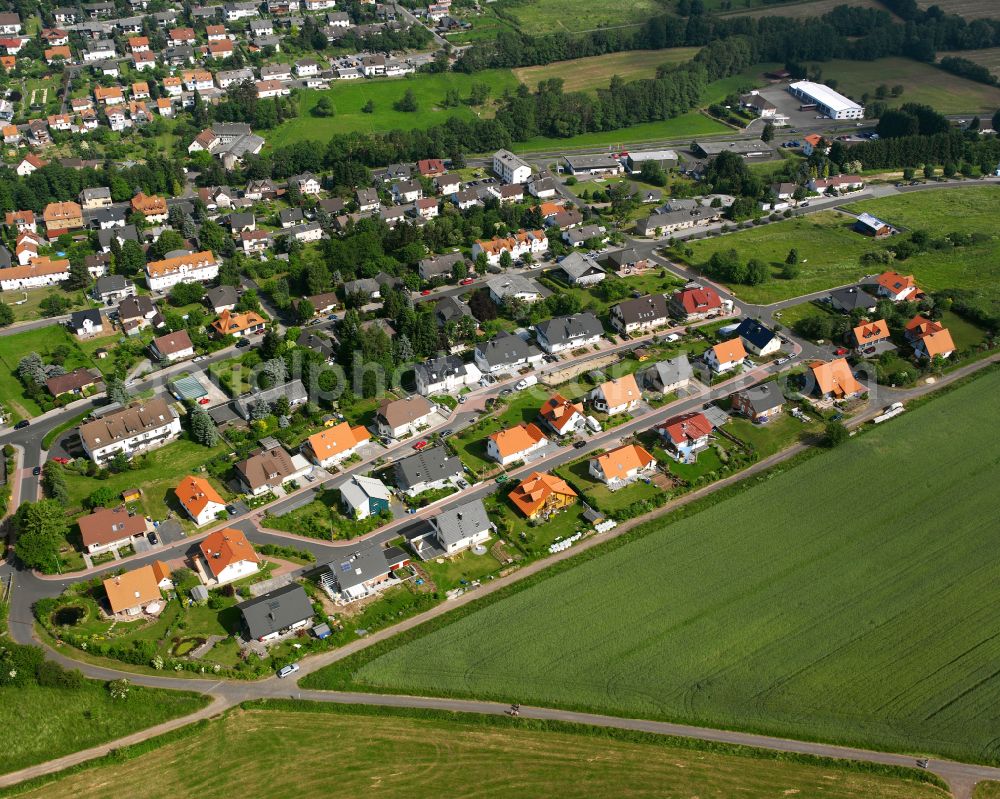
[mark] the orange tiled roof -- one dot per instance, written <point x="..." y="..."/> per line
<point x="624" y="460"/>
<point x="229" y="322"/>
<point x="620" y="391"/>
<point x="835" y="378"/>
<point x="195" y="493"/>
<point x="558" y="410"/>
<point x="870" y="332"/>
<point x="730" y="351"/>
<point x="168" y="265"/>
<point x="533" y="492"/>
<point x="337" y="439"/>
<point x="226" y="547"/>
<point x="137" y="587"/>
<point x="517" y="439"/>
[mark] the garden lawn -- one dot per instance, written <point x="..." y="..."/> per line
<point x="922" y="83"/>
<point x="470" y="443"/>
<point x="599" y="495"/>
<point x="845" y="598"/>
<point x="692" y="123"/>
<point x="30" y="310"/>
<point x="829" y="253"/>
<point x="433" y="755"/>
<point x="322" y="518"/>
<point x="349" y="97"/>
<point x="775" y="435"/>
<point x="595" y="72"/>
<point x="160" y="473"/>
<point x="44" y="723"/>
<point x="461" y="569"/>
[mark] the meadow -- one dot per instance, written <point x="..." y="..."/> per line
<point x="830" y="251"/>
<point x="432" y="755"/>
<point x="794" y="10"/>
<point x="349" y="97"/>
<point x="922" y="83"/>
<point x="44" y="723"/>
<point x="844" y="598"/>
<point x="588" y="74"/>
<point x="970" y="9"/>
<point x="692" y="123"/>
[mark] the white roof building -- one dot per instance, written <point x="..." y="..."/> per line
<point x="829" y="102"/>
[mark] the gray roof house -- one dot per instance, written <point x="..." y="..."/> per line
<point x="668" y="376"/>
<point x="362" y="573"/>
<point x="450" y="309"/>
<point x="269" y="615"/>
<point x="505" y="286"/>
<point x="363" y="496"/>
<point x="439" y="266"/>
<point x="461" y="527"/>
<point x="294" y="390"/>
<point x="581" y="270"/>
<point x="569" y="332"/>
<point x="111" y="288"/>
<point x="221" y="298"/>
<point x="426" y="470"/>
<point x="849" y="299"/>
<point x="504" y="352"/>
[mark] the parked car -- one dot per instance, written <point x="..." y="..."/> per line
<point x="579" y="444"/>
<point x="461" y="400"/>
<point x="468" y="281"/>
<point x="36" y="471"/>
<point x="287" y="671"/>
<point x="841" y="351"/>
<point x="61" y="460"/>
<point x="231" y="510"/>
<point x="425" y="292"/>
<point x="22" y="424"/>
<point x="242" y="343"/>
<point x="153" y="539"/>
<point x="204" y="401"/>
<point x="420" y="444"/>
<point x="332" y="317"/>
<point x="446" y="432"/>
<point x="463" y="484"/>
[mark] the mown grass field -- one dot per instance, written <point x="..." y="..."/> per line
<point x="989" y="58"/>
<point x="692" y="123"/>
<point x="922" y="83"/>
<point x="349" y="97"/>
<point x="553" y="16"/>
<point x="395" y="755"/>
<point x="830" y="250"/>
<point x="585" y="74"/>
<point x="795" y="10"/>
<point x="44" y="723"/>
<point x="970" y="9"/>
<point x="846" y="598"/>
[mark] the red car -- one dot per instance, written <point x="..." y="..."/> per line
<point x="420" y="444"/>
<point x="63" y="461"/>
<point x="466" y="282"/>
<point x="425" y="292"/>
<point x="204" y="401"/>
<point x="841" y="351"/>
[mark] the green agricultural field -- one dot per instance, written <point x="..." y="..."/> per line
<point x="692" y="123"/>
<point x="828" y="249"/>
<point x="350" y="96"/>
<point x="794" y="9"/>
<point x="437" y="755"/>
<point x="587" y="74"/>
<point x="43" y="723"/>
<point x="845" y="598"/>
<point x="970" y="9"/>
<point x="922" y="83"/>
<point x="552" y="16"/>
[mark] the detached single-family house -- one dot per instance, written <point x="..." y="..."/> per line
<point x="461" y="527"/>
<point x="581" y="270"/>
<point x="871" y="338"/>
<point x="834" y="380"/>
<point x="334" y="444"/>
<point x="516" y="286"/>
<point x="172" y="347"/>
<point x="759" y="403"/>
<point x="929" y="339"/>
<point x="199" y="499"/>
<point x="111" y="528"/>
<point x="569" y="332"/>
<point x="690" y="305"/>
<point x="430" y="469"/>
<point x="363" y="573"/>
<point x="75" y="382"/>
<point x="757" y="338"/>
<point x="131" y="593"/>
<point x="621" y="466"/>
<point x="113" y="288"/>
<point x="505" y="352"/>
<point x="561" y="415"/>
<point x="276" y="613"/>
<point x="402" y="417"/>
<point x="620" y="395"/>
<point x="445" y="374"/>
<point x="642" y="314"/>
<point x="897" y="287"/>
<point x="541" y="494"/>
<point x="726" y="356"/>
<point x="227" y="555"/>
<point x="362" y="496"/>
<point x="269" y="468"/>
<point x="239" y="325"/>
<point x="515" y="443"/>
<point x="222" y="298"/>
<point x="686" y="435"/>
<point x="668" y="376"/>
<point x="851" y="299"/>
<point x="86" y="323"/>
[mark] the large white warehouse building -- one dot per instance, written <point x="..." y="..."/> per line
<point x="828" y="102"/>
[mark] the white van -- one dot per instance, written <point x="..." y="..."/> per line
<point x="593" y="424"/>
<point x="530" y="380"/>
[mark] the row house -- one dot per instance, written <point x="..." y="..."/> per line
<point x="524" y="242"/>
<point x="198" y="267"/>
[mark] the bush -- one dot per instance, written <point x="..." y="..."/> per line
<point x="50" y="674"/>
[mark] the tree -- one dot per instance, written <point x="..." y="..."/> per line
<point x="996" y="120"/>
<point x="305" y="310"/>
<point x="767" y="134"/>
<point x="324" y="108"/>
<point x="790" y="271"/>
<point x="792" y="257"/>
<point x="202" y="427"/>
<point x="6" y="314"/>
<point x="271" y="345"/>
<point x="835" y="434"/>
<point x="79" y="276"/>
<point x="41" y="531"/>
<point x="368" y="108"/>
<point x="248" y="301"/>
<point x="103" y="497"/>
<point x="131" y="260"/>
<point x="407" y="103"/>
<point x="506" y="262"/>
<point x="757" y="272"/>
<point x="186" y="294"/>
<point x="116" y="391"/>
<point x="119" y="462"/>
<point x="54" y="484"/>
<point x="54" y="305"/>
